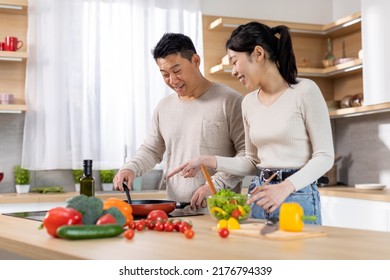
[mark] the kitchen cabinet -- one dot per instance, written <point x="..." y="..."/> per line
<point x="355" y="213"/>
<point x="13" y="22"/>
<point x="310" y="46"/>
<point x="356" y="208"/>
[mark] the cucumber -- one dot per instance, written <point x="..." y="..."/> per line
<point x="76" y="232"/>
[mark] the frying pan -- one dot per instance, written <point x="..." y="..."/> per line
<point x="143" y="207"/>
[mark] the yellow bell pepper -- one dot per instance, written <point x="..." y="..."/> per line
<point x="222" y="224"/>
<point x="217" y="209"/>
<point x="233" y="224"/>
<point x="241" y="209"/>
<point x="290" y="217"/>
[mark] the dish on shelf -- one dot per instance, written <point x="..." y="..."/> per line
<point x="370" y="186"/>
<point x="343" y="60"/>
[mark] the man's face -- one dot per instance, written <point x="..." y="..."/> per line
<point x="180" y="74"/>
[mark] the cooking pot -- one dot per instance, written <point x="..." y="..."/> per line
<point x="143" y="207"/>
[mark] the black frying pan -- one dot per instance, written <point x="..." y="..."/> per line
<point x="143" y="207"/>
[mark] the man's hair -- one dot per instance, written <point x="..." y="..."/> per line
<point x="174" y="43"/>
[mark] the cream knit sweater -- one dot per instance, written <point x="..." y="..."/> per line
<point x="183" y="129"/>
<point x="293" y="133"/>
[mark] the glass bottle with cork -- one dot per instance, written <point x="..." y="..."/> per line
<point x="87" y="181"/>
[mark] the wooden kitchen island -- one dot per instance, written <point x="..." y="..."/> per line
<point x="22" y="237"/>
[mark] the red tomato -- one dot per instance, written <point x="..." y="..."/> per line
<point x="132" y="225"/>
<point x="106" y="219"/>
<point x="189" y="233"/>
<point x="184" y="226"/>
<point x="236" y="213"/>
<point x="60" y="216"/>
<point x="140" y="226"/>
<point x="129" y="234"/>
<point x="223" y="232"/>
<point x="169" y="226"/>
<point x="150" y="225"/>
<point x="159" y="226"/>
<point x="157" y="215"/>
<point x="176" y="225"/>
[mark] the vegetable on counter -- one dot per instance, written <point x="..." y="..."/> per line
<point x="60" y="216"/>
<point x="291" y="217"/>
<point x="77" y="232"/>
<point x="90" y="207"/>
<point x="226" y="203"/>
<point x="48" y="190"/>
<point x="122" y="206"/>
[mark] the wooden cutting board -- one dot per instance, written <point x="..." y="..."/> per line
<point x="253" y="230"/>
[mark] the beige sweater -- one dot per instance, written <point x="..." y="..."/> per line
<point x="292" y="133"/>
<point x="184" y="129"/>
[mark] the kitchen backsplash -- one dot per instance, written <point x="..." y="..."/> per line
<point x="362" y="141"/>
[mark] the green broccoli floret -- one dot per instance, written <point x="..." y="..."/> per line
<point x="90" y="207"/>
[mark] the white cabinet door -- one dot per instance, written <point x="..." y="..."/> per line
<point x="355" y="213"/>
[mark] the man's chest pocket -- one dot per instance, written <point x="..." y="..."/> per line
<point x="214" y="134"/>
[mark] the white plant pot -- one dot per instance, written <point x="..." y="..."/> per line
<point x="77" y="187"/>
<point x="107" y="187"/>
<point x="22" y="188"/>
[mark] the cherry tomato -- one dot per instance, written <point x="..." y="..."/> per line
<point x="169" y="226"/>
<point x="151" y="225"/>
<point x="223" y="232"/>
<point x="132" y="225"/>
<point x="155" y="215"/>
<point x="129" y="234"/>
<point x="140" y="226"/>
<point x="185" y="225"/>
<point x="176" y="225"/>
<point x="189" y="233"/>
<point x="159" y="226"/>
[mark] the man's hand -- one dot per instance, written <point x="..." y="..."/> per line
<point x="124" y="175"/>
<point x="198" y="200"/>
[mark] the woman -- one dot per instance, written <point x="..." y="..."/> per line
<point x="288" y="134"/>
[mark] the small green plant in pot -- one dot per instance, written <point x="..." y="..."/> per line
<point x="106" y="178"/>
<point x="22" y="179"/>
<point x="77" y="174"/>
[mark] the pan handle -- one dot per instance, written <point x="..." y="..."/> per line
<point x="127" y="192"/>
<point x="181" y="205"/>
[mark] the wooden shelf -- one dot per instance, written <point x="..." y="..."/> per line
<point x="12" y="56"/>
<point x="358" y="111"/>
<point x="351" y="66"/>
<point x="12" y="108"/>
<point x="342" y="26"/>
<point x="14" y="6"/>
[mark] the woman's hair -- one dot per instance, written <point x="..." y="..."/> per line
<point x="278" y="48"/>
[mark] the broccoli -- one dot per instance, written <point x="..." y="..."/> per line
<point x="120" y="219"/>
<point x="89" y="206"/>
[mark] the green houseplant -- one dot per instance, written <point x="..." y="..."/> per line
<point x="22" y="179"/>
<point x="77" y="174"/>
<point x="106" y="178"/>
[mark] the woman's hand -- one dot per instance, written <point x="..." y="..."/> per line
<point x="192" y="167"/>
<point x="270" y="197"/>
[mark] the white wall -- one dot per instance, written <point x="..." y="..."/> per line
<point x="304" y="11"/>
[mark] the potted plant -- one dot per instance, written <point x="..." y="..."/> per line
<point x="106" y="178"/>
<point x="22" y="179"/>
<point x="77" y="174"/>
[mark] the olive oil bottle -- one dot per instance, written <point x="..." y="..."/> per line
<point x="87" y="181"/>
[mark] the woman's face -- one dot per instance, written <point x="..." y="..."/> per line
<point x="245" y="68"/>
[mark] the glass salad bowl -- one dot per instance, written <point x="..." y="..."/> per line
<point x="226" y="203"/>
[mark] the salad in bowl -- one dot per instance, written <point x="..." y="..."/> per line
<point x="226" y="203"/>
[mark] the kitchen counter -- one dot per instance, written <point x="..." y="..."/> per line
<point x="346" y="192"/>
<point x="351" y="192"/>
<point x="22" y="237"/>
<point x="11" y="198"/>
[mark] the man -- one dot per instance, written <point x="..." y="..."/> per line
<point x="201" y="118"/>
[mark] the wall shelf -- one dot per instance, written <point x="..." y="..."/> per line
<point x="361" y="110"/>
